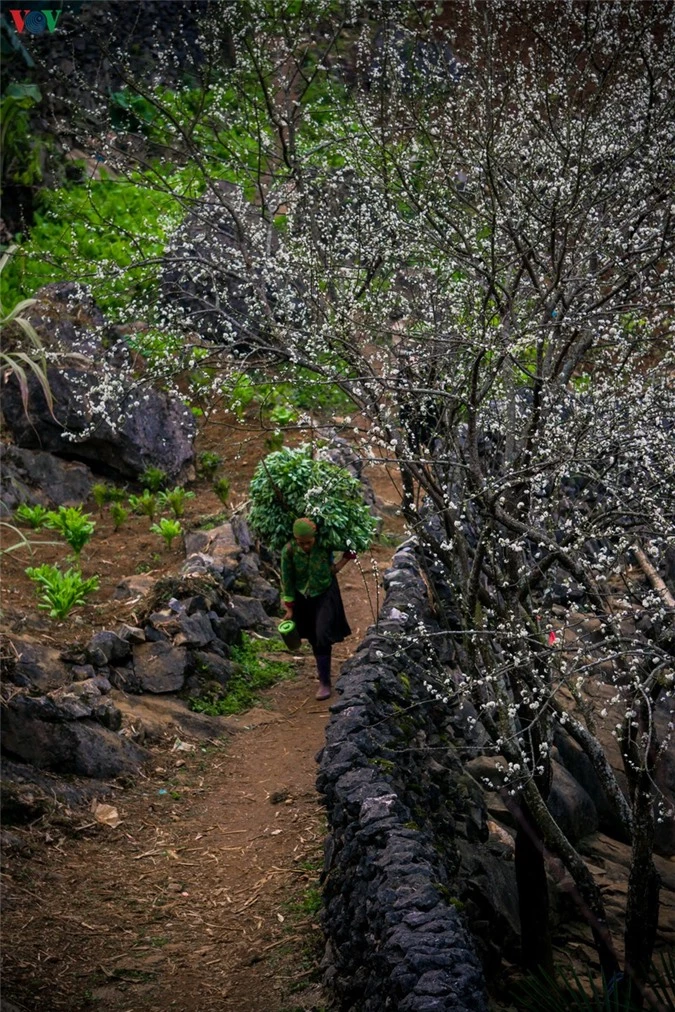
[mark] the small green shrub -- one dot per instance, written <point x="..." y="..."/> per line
<point x="175" y="500"/>
<point x="75" y="526"/>
<point x="167" y="529"/>
<point x="312" y="901"/>
<point x="145" y="504"/>
<point x="61" y="592"/>
<point x="118" y="514"/>
<point x="154" y="478"/>
<point x="21" y="148"/>
<point x="99" y="493"/>
<point x="102" y="493"/>
<point x="34" y="516"/>
<point x="283" y="414"/>
<point x="208" y="463"/>
<point x="222" y="489"/>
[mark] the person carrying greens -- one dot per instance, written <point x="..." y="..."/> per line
<point x="311" y="595"/>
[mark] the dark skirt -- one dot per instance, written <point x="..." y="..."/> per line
<point x="321" y="619"/>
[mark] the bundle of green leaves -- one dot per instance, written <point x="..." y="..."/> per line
<point x="291" y="483"/>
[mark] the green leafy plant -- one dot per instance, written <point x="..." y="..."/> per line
<point x="145" y="504"/>
<point x="167" y="529"/>
<point x="222" y="489"/>
<point x="283" y="414"/>
<point x="279" y="402"/>
<point x="208" y="463"/>
<point x="154" y="478"/>
<point x="20" y="150"/>
<point x="22" y="350"/>
<point x="72" y="224"/>
<point x="255" y="671"/>
<point x="99" y="493"/>
<point x="34" y="516"/>
<point x="103" y="493"/>
<point x="61" y="592"/>
<point x="290" y="484"/>
<point x="175" y="500"/>
<point x="75" y="526"/>
<point x="118" y="514"/>
<point x="129" y="111"/>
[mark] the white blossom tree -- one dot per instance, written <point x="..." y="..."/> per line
<point x="464" y="219"/>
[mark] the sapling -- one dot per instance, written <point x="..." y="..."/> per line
<point x="119" y="514"/>
<point x="175" y="500"/>
<point x="60" y="592"/>
<point x="75" y="526"/>
<point x="34" y="516"/>
<point x="167" y="529"/>
<point x="99" y="493"/>
<point x="145" y="504"/>
<point x="208" y="463"/>
<point x="222" y="489"/>
<point x="154" y="478"/>
<point x="102" y="493"/>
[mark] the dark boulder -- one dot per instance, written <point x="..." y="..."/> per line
<point x="211" y="667"/>
<point x="160" y="667"/>
<point x="577" y="763"/>
<point x="226" y="628"/>
<point x="29" y="476"/>
<point x="36" y="666"/>
<point x="107" y="648"/>
<point x="39" y="732"/>
<point x="101" y="414"/>
<point x="183" y="629"/>
<point x="157" y="429"/>
<point x="249" y="613"/>
<point x="570" y="805"/>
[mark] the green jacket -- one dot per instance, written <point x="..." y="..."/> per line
<point x="306" y="573"/>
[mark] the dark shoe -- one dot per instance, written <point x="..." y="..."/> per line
<point x="323" y="692"/>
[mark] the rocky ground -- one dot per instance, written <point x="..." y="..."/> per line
<point x="200" y="891"/>
<point x="205" y="896"/>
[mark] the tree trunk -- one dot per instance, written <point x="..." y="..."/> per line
<point x="642" y="904"/>
<point x="533" y="900"/>
<point x="592" y="906"/>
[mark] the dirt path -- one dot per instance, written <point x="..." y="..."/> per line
<point x="205" y="897"/>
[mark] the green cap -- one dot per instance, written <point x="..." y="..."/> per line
<point x="304" y="528"/>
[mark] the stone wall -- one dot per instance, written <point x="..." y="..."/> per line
<point x="398" y="807"/>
